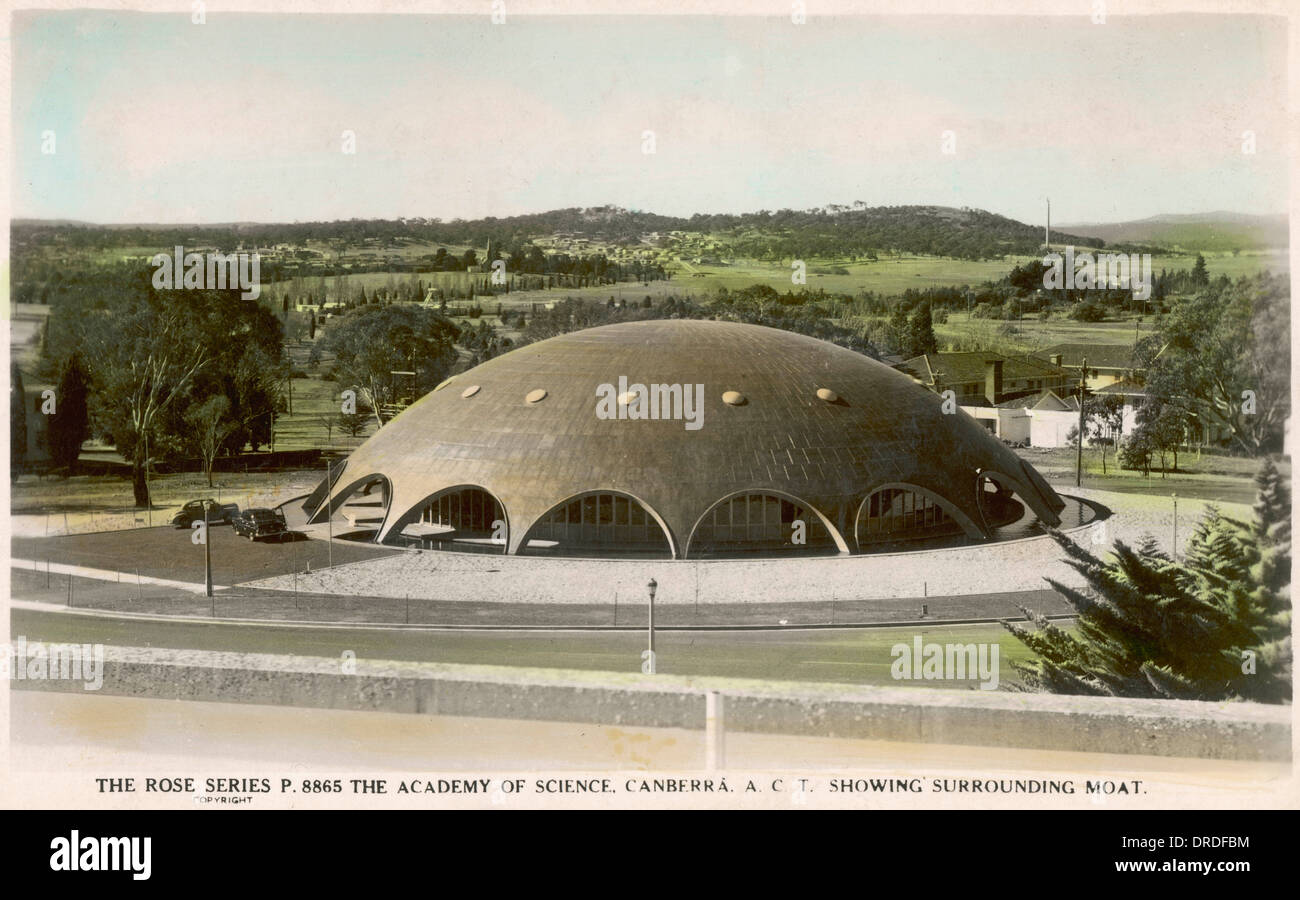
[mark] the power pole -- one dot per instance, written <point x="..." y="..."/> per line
<point x="1078" y="459"/>
<point x="207" y="551"/>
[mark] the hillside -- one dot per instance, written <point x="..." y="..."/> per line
<point x="1214" y="231"/>
<point x="831" y="231"/>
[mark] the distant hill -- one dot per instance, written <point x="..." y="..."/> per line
<point x="1211" y="231"/>
<point x="822" y="232"/>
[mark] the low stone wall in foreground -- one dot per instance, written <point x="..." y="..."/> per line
<point x="1244" y="731"/>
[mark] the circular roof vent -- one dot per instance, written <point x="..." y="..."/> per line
<point x="442" y="384"/>
<point x="536" y="396"/>
<point x="828" y="395"/>
<point x="626" y="397"/>
<point x="734" y="398"/>
<point x="469" y="391"/>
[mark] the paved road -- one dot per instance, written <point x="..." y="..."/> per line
<point x="836" y="655"/>
<point x="254" y="603"/>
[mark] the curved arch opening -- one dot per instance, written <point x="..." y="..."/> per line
<point x="766" y="523"/>
<point x="997" y="498"/>
<point x="599" y="523"/>
<point x="358" y="510"/>
<point x="465" y="518"/>
<point x="900" y="514"/>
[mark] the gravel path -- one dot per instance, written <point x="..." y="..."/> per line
<point x="1012" y="566"/>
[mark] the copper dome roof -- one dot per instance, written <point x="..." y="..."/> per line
<point x="529" y="434"/>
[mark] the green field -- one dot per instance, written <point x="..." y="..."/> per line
<point x="890" y="275"/>
<point x="887" y="276"/>
<point x="1032" y="335"/>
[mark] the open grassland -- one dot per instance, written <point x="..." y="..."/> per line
<point x="1031" y="334"/>
<point x="889" y="275"/>
<point x="111" y="494"/>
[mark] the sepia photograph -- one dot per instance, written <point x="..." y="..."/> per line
<point x="776" y="406"/>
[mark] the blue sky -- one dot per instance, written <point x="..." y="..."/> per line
<point x="160" y="120"/>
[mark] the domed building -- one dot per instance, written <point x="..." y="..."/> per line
<point x="683" y="439"/>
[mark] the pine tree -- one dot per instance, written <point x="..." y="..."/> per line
<point x="1270" y="577"/>
<point x="920" y="332"/>
<point x="898" y="330"/>
<point x="1200" y="275"/>
<point x="1215" y="626"/>
<point x="69" y="426"/>
<point x="17" y="422"/>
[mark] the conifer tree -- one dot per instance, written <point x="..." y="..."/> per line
<point x="70" y="425"/>
<point x="1215" y="626"/>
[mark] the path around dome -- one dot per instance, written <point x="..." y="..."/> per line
<point x="1011" y="566"/>
<point x="448" y="589"/>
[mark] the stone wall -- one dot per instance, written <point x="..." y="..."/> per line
<point x="1244" y="731"/>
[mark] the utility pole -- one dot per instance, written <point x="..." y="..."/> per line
<point x="149" y="504"/>
<point x="1175" y="550"/>
<point x="1078" y="459"/>
<point x="650" y="657"/>
<point x="329" y="509"/>
<point x="207" y="550"/>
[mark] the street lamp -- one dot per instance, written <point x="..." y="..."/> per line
<point x="1175" y="499"/>
<point x="652" y="587"/>
<point x="207" y="549"/>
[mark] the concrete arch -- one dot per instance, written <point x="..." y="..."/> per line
<point x="414" y="510"/>
<point x="650" y="511"/>
<point x="338" y="497"/>
<point x="834" y="532"/>
<point x="1030" y="496"/>
<point x="968" y="525"/>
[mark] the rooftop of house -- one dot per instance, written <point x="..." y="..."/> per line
<point x="1099" y="356"/>
<point x="1124" y="388"/>
<point x="1045" y="399"/>
<point x="967" y="366"/>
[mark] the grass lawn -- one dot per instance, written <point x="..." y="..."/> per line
<point x="1207" y="476"/>
<point x="889" y="275"/>
<point x="112" y="494"/>
<point x="1032" y="334"/>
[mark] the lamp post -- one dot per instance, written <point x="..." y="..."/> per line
<point x="1175" y="499"/>
<point x="652" y="587"/>
<point x="207" y="550"/>
<point x="1083" y="389"/>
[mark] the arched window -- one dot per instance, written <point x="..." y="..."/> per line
<point x="598" y="524"/>
<point x="760" y="523"/>
<point x="464" y="517"/>
<point x="901" y="513"/>
<point x="467" y="512"/>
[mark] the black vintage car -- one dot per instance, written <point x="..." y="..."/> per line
<point x="259" y="523"/>
<point x="193" y="512"/>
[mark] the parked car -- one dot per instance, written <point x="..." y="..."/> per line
<point x="259" y="523"/>
<point x="193" y="512"/>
